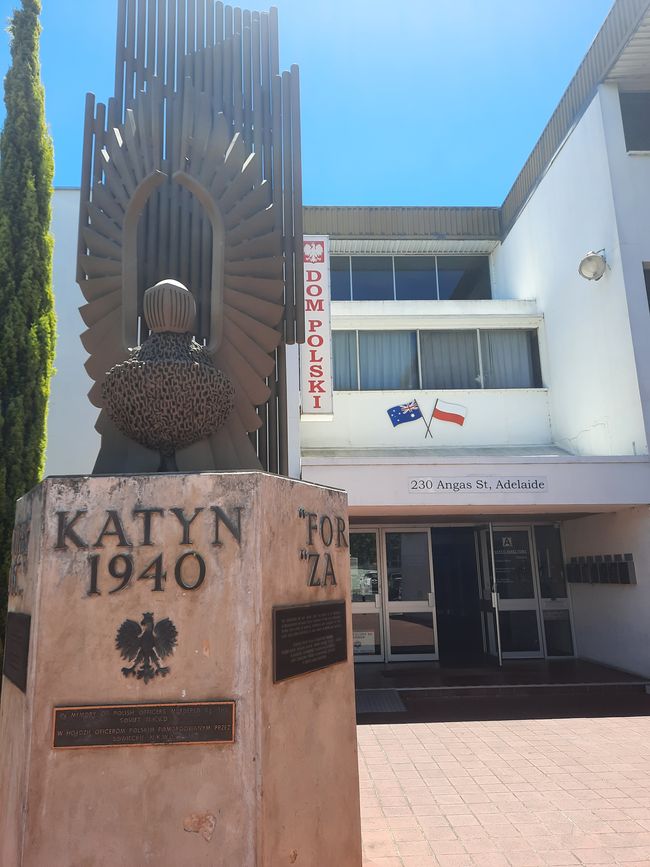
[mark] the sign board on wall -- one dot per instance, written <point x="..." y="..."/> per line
<point x="316" y="352"/>
<point x="529" y="485"/>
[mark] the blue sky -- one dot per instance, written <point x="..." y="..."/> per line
<point x="418" y="102"/>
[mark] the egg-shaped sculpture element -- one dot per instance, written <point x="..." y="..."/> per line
<point x="169" y="306"/>
<point x="168" y="394"/>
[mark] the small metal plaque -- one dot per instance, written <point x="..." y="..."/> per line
<point x="307" y="638"/>
<point x="139" y="725"/>
<point x="17" y="649"/>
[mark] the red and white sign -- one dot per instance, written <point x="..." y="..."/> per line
<point x="316" y="352"/>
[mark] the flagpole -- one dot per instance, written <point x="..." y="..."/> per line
<point x="428" y="426"/>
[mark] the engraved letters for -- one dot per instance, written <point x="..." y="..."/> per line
<point x="322" y="531"/>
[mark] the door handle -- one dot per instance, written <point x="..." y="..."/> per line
<point x="495" y="603"/>
<point x="430" y="600"/>
<point x="377" y="601"/>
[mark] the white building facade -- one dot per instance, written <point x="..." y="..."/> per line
<point x="525" y="530"/>
<point x="501" y="508"/>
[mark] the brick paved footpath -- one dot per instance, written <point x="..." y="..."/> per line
<point x="517" y="793"/>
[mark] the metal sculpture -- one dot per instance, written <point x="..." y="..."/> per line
<point x="168" y="394"/>
<point x="192" y="173"/>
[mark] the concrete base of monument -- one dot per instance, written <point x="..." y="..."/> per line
<point x="178" y="681"/>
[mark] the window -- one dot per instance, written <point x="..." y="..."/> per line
<point x="461" y="359"/>
<point x="340" y="278"/>
<point x="635" y="111"/>
<point x="409" y="278"/>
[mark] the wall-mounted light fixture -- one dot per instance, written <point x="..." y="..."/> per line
<point x="592" y="265"/>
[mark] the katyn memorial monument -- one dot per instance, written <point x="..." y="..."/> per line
<point x="177" y="682"/>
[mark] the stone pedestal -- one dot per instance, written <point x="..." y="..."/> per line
<point x="149" y="592"/>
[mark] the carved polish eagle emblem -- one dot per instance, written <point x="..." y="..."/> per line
<point x="146" y="644"/>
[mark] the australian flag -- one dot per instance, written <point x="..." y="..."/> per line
<point x="404" y="412"/>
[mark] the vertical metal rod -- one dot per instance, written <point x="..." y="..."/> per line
<point x="200" y="23"/>
<point x="152" y="22"/>
<point x="283" y="437"/>
<point x="120" y="58"/>
<point x="113" y="117"/>
<point x="277" y="152"/>
<point x="161" y="60"/>
<point x="296" y="148"/>
<point x="274" y="41"/>
<point x="86" y="174"/>
<point x="100" y="126"/>
<point x="228" y="23"/>
<point x="141" y="42"/>
<point x="266" y="96"/>
<point x="191" y="26"/>
<point x="248" y="82"/>
<point x="209" y="24"/>
<point x="219" y="13"/>
<point x="218" y="77"/>
<point x="273" y="424"/>
<point x="237" y="85"/>
<point x="289" y="282"/>
<point x="181" y="25"/>
<point x="263" y="436"/>
<point x="237" y="20"/>
<point x="171" y="53"/>
<point x="129" y="89"/>
<point x="227" y="79"/>
<point x="257" y="93"/>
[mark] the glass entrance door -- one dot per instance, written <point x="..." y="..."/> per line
<point x="409" y="601"/>
<point x="393" y="603"/>
<point x="518" y="610"/>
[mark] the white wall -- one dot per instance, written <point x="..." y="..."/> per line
<point x="612" y="622"/>
<point x="495" y="417"/>
<point x="72" y="442"/>
<point x="587" y="349"/>
<point x="630" y="175"/>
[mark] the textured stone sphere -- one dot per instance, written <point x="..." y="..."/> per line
<point x="169" y="306"/>
<point x="168" y="395"/>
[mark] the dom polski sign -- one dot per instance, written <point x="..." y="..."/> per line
<point x="316" y="352"/>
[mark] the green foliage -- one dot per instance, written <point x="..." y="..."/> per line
<point x="27" y="323"/>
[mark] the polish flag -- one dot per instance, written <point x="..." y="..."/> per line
<point x="452" y="412"/>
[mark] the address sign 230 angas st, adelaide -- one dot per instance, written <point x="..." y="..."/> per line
<point x="477" y="484"/>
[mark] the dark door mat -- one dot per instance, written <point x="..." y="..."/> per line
<point x="379" y="701"/>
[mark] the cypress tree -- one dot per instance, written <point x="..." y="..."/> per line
<point x="27" y="323"/>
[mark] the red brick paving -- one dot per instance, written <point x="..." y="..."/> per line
<point x="516" y="793"/>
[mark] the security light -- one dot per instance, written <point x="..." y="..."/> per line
<point x="592" y="265"/>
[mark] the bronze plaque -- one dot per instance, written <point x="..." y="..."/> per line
<point x="308" y="637"/>
<point x="140" y="725"/>
<point x="17" y="649"/>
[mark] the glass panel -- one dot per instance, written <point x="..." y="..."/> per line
<point x="449" y="359"/>
<point x="518" y="631"/>
<point x="550" y="564"/>
<point x="635" y="110"/>
<point x="510" y="358"/>
<point x="415" y="278"/>
<point x="412" y="632"/>
<point x="409" y="575"/>
<point x="557" y="628"/>
<point x="388" y="360"/>
<point x="344" y="350"/>
<point x="363" y="566"/>
<point x="463" y="278"/>
<point x="372" y="278"/>
<point x="366" y="634"/>
<point x="340" y="278"/>
<point x="512" y="562"/>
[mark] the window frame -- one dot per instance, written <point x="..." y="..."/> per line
<point x="532" y="331"/>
